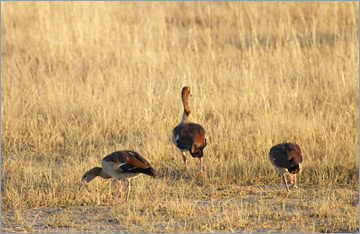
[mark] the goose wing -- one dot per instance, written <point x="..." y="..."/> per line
<point x="187" y="134"/>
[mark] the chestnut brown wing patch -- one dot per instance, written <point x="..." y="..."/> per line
<point x="136" y="160"/>
<point x="127" y="160"/>
<point x="199" y="140"/>
<point x="293" y="152"/>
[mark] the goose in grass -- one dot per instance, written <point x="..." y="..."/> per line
<point x="120" y="165"/>
<point x="286" y="157"/>
<point x="189" y="136"/>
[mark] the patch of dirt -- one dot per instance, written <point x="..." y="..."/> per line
<point x="263" y="207"/>
<point x="61" y="220"/>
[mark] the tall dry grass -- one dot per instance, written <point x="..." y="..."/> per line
<point x="80" y="80"/>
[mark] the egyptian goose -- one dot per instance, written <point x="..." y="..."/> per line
<point x="286" y="157"/>
<point x="188" y="135"/>
<point x="119" y="165"/>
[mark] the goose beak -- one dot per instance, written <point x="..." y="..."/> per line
<point x="82" y="184"/>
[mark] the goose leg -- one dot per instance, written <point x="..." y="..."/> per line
<point x="293" y="183"/>
<point x="128" y="190"/>
<point x="118" y="192"/>
<point x="284" y="179"/>
<point x="201" y="166"/>
<point x="185" y="161"/>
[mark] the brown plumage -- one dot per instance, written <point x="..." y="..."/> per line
<point x="188" y="135"/>
<point x="286" y="158"/>
<point x="119" y="165"/>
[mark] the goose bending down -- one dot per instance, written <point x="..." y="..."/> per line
<point x="119" y="165"/>
<point x="286" y="157"/>
<point x="188" y="135"/>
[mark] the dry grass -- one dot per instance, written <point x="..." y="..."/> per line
<point x="80" y="80"/>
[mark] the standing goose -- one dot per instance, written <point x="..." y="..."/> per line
<point x="119" y="165"/>
<point x="188" y="135"/>
<point x="286" y="157"/>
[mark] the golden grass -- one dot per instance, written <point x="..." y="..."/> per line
<point x="80" y="80"/>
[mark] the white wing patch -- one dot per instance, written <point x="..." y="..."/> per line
<point x="177" y="137"/>
<point x="121" y="164"/>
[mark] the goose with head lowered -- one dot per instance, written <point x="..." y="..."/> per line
<point x="286" y="158"/>
<point x="189" y="136"/>
<point x="120" y="165"/>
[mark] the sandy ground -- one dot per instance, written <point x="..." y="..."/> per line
<point x="101" y="219"/>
